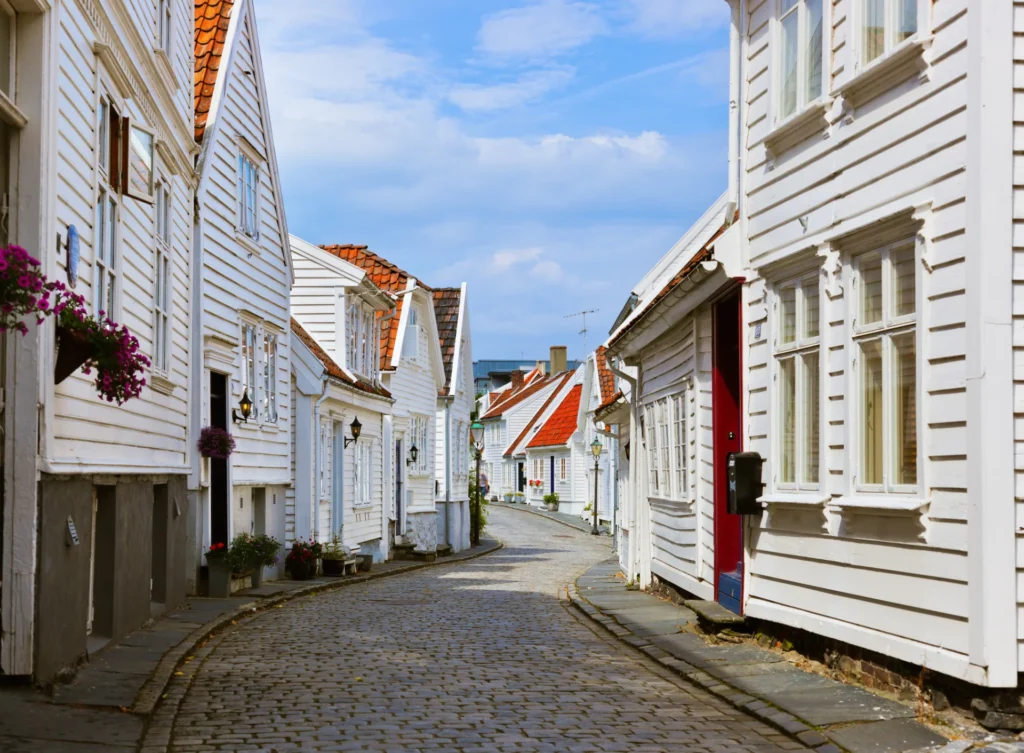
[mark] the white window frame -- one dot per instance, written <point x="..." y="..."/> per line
<point x="890" y="326"/>
<point x="420" y="432"/>
<point x="107" y="230"/>
<point x="680" y="437"/>
<point x="249" y="197"/>
<point x="250" y="368"/>
<point x="326" y="456"/>
<point x="891" y="22"/>
<point x="667" y="433"/>
<point x="362" y="474"/>
<point x="803" y="100"/>
<point x="268" y="370"/>
<point x="563" y="474"/>
<point x="802" y="285"/>
<point x="164" y="25"/>
<point x="163" y="278"/>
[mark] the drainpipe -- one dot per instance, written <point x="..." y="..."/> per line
<point x="736" y="67"/>
<point x="633" y="444"/>
<point x="448" y="523"/>
<point x="317" y="454"/>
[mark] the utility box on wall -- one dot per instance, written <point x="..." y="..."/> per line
<point x="745" y="487"/>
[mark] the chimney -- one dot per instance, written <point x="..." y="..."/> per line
<point x="542" y="368"/>
<point x="517" y="379"/>
<point x="559" y="359"/>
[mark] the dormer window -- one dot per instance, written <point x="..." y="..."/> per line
<point x="362" y="340"/>
<point x="801" y="35"/>
<point x="885" y="24"/>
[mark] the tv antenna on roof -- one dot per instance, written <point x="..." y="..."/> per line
<point x="584" y="330"/>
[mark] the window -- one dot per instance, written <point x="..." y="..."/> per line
<point x="562" y="473"/>
<point x="679" y="445"/>
<point x="164" y="18"/>
<point x="270" y="378"/>
<point x="326" y="440"/>
<point x="362" y="473"/>
<point x="666" y="429"/>
<point x="797" y="356"/>
<point x="164" y="280"/>
<point x="885" y="368"/>
<point x="411" y="344"/>
<point x="801" y="34"/>
<point x="651" y="427"/>
<point x="249" y="364"/>
<point x="664" y="415"/>
<point x="421" y="440"/>
<point x="884" y="25"/>
<point x="248" y="196"/>
<point x="106" y="235"/>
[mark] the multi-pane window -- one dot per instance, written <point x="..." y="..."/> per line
<point x="248" y="196"/>
<point x="884" y="25"/>
<point x="885" y="365"/>
<point x="664" y="415"/>
<point x="362" y="473"/>
<point x="421" y="440"/>
<point x="164" y="281"/>
<point x="801" y="34"/>
<point x="249" y="363"/>
<point x="106" y="237"/>
<point x="667" y="434"/>
<point x="563" y="472"/>
<point x="362" y="340"/>
<point x="679" y="443"/>
<point x="269" y="391"/>
<point x="326" y="437"/>
<point x="164" y="17"/>
<point x="798" y="382"/>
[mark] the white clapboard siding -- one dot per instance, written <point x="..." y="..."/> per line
<point x="868" y="574"/>
<point x="1018" y="310"/>
<point x="364" y="522"/>
<point x="150" y="431"/>
<point x="238" y="278"/>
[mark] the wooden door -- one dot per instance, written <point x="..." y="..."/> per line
<point x="219" y="533"/>
<point x="726" y="391"/>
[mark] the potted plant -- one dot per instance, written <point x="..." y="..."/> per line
<point x="334" y="556"/>
<point x="242" y="556"/>
<point x="551" y="502"/>
<point x="508" y="498"/>
<point x="301" y="560"/>
<point x="266" y="550"/>
<point x="219" y="569"/>
<point x="23" y="289"/>
<point x="215" y="442"/>
<point x="519" y="497"/>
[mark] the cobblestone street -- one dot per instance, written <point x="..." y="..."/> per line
<point x="480" y="656"/>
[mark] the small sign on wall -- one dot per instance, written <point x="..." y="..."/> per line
<point x="72" y="538"/>
<point x="757" y="331"/>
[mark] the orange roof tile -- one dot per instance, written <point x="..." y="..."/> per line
<point x="562" y="424"/>
<point x="447" y="302"/>
<point x="333" y="369"/>
<point x="212" y="18"/>
<point x="386" y="276"/>
<point x="604" y="375"/>
<point x="536" y="416"/>
<point x="513" y="398"/>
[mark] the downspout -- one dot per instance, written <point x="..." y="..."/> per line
<point x="738" y="8"/>
<point x="317" y="454"/>
<point x="448" y="524"/>
<point x="633" y="454"/>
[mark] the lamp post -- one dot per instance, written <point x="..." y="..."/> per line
<point x="477" y="433"/>
<point x="595" y="448"/>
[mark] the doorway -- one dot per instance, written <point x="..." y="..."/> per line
<point x="158" y="573"/>
<point x="219" y="466"/>
<point x="521" y="477"/>
<point x="101" y="589"/>
<point x="726" y="391"/>
<point x="399" y="491"/>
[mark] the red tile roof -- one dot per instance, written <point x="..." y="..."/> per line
<point x="386" y="276"/>
<point x="604" y="375"/>
<point x="562" y="424"/>
<point x="333" y="369"/>
<point x="212" y="18"/>
<point x="512" y="398"/>
<point x="447" y="302"/>
<point x="536" y="416"/>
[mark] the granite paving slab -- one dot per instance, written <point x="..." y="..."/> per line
<point x="23" y="715"/>
<point x="891" y="736"/>
<point x="691" y="648"/>
<point x="768" y="684"/>
<point x="133" y="660"/>
<point x="835" y="705"/>
<point x="751" y="670"/>
<point x="97" y="687"/>
<point x="163" y="635"/>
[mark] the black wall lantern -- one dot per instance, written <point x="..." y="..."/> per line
<point x="357" y="429"/>
<point x="414" y="454"/>
<point x="245" y="406"/>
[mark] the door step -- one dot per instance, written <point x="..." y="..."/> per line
<point x="409" y="553"/>
<point x="444" y="550"/>
<point x="713" y="617"/>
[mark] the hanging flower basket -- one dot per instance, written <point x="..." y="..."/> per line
<point x="23" y="289"/>
<point x="73" y="351"/>
<point x="215" y="442"/>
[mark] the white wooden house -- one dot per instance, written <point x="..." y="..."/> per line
<point x="518" y="470"/>
<point x="867" y="355"/>
<point x="97" y="145"/>
<point x="242" y="276"/>
<point x="413" y="373"/>
<point x="341" y="487"/>
<point x="553" y="453"/>
<point x="454" y="409"/>
<point x="600" y="391"/>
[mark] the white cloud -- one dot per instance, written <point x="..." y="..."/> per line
<point x="483" y="98"/>
<point x="540" y="30"/>
<point x="502" y="261"/>
<point x="669" y="18"/>
<point x="548" y="271"/>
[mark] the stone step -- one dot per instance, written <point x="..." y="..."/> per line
<point x="713" y="616"/>
<point x="444" y="550"/>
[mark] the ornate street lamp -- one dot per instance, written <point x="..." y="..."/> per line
<point x="245" y="406"/>
<point x="596" y="448"/>
<point x="477" y="434"/>
<point x="357" y="429"/>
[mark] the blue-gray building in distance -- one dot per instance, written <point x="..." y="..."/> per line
<point x="494" y="374"/>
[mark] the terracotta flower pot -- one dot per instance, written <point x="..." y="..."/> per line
<point x="73" y="350"/>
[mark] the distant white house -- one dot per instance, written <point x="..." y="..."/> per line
<point x="242" y="275"/>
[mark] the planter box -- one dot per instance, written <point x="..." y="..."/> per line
<point x="333" y="568"/>
<point x="219" y="583"/>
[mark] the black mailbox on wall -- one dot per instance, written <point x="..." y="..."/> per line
<point x="744" y="473"/>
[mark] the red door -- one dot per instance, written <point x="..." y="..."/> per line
<point x="726" y="390"/>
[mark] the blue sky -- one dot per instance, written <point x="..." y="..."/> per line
<point x="546" y="152"/>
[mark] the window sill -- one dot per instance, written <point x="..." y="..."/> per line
<point x="669" y="502"/>
<point x="160" y="383"/>
<point x="901" y="63"/>
<point x="783" y="498"/>
<point x="163" y="64"/>
<point x="252" y="244"/>
<point x="800" y="127"/>
<point x="881" y="504"/>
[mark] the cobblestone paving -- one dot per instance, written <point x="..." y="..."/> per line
<point x="475" y="657"/>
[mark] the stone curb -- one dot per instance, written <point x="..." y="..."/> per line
<point x="526" y="508"/>
<point x="153" y="690"/>
<point x="760" y="710"/>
